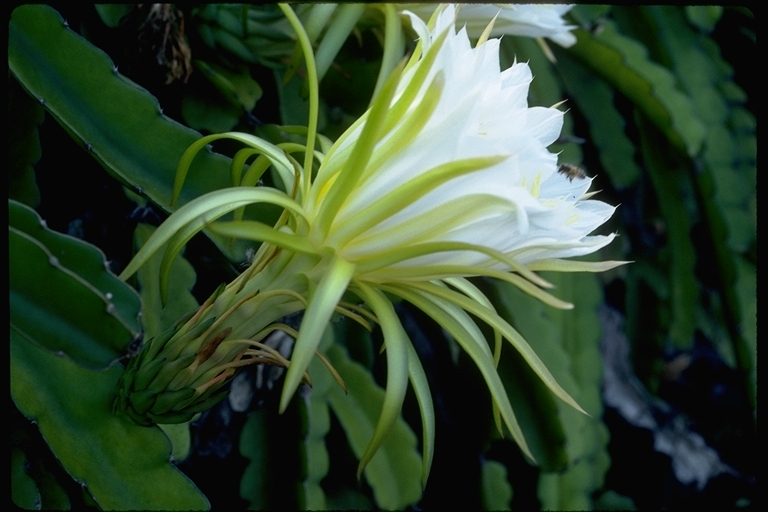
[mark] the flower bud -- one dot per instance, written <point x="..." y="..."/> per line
<point x="162" y="384"/>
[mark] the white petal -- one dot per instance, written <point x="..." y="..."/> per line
<point x="531" y="20"/>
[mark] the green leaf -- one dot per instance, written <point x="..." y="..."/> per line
<point x="294" y="110"/>
<point x="725" y="180"/>
<point x="704" y="16"/>
<point x="746" y="290"/>
<point x="594" y="99"/>
<point x="497" y="493"/>
<point x="349" y="85"/>
<point x="24" y="492"/>
<point x="534" y="405"/>
<point x="611" y="500"/>
<point x="203" y="109"/>
<point x="670" y="184"/>
<point x="274" y="472"/>
<point x="38" y="463"/>
<point x="232" y="44"/>
<point x="111" y="14"/>
<point x="24" y="116"/>
<point x="339" y="29"/>
<point x="624" y="64"/>
<point x="238" y="85"/>
<point x="349" y="498"/>
<point x="51" y="272"/>
<point x="394" y="472"/>
<point x="263" y="436"/>
<point x="317" y="422"/>
<point x="124" y="466"/>
<point x="52" y="493"/>
<point x="156" y="318"/>
<point x="181" y="439"/>
<point x="254" y="486"/>
<point x="536" y="411"/>
<point x="568" y="344"/>
<point x="120" y="124"/>
<point x="586" y="15"/>
<point x="217" y="103"/>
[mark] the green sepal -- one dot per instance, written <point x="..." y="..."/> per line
<point x="171" y="418"/>
<point x="169" y="371"/>
<point x="158" y="343"/>
<point x="137" y="418"/>
<point x="321" y="306"/>
<point x="215" y="295"/>
<point x="166" y="401"/>
<point x="138" y="359"/>
<point x="208" y="403"/>
<point x="129" y="376"/>
<point x="188" y="316"/>
<point x="121" y="396"/>
<point x="183" y="405"/>
<point x="175" y="347"/>
<point x="142" y="401"/>
<point x="145" y="375"/>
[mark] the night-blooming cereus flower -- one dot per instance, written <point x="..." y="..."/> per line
<point x="530" y="20"/>
<point x="446" y="177"/>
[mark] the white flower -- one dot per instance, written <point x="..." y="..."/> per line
<point x="446" y="177"/>
<point x="518" y="205"/>
<point x="530" y="20"/>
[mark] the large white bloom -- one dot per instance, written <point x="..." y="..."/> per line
<point x="520" y="205"/>
<point x="530" y="20"/>
<point x="446" y="177"/>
